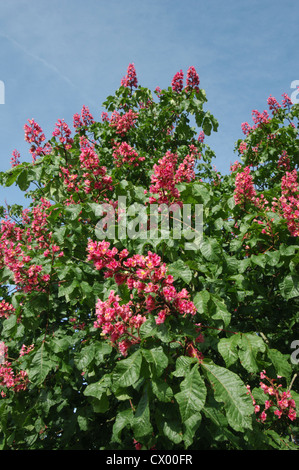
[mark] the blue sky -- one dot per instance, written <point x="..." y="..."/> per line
<point x="58" y="56"/>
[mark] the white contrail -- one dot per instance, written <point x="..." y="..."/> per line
<point x="40" y="59"/>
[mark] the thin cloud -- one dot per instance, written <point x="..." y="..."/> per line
<point x="39" y="59"/>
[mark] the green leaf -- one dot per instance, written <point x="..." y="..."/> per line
<point x="210" y="249"/>
<point x="85" y="356"/>
<point x="162" y="390"/>
<point x="157" y="359"/>
<point x="249" y="346"/>
<point x="228" y="349"/>
<point x="150" y="329"/>
<point x="280" y="362"/>
<point x="41" y="365"/>
<point x="179" y="270"/>
<point x="141" y="422"/>
<point x="190" y="427"/>
<point x="198" y="189"/>
<point x="22" y="180"/>
<point x="9" y="325"/>
<point x="280" y="442"/>
<point x="123" y="419"/>
<point x="221" y="311"/>
<point x="191" y="398"/>
<point x="289" y="287"/>
<point x="95" y="390"/>
<point x="201" y="300"/>
<point x="127" y="371"/>
<point x="168" y="423"/>
<point x="102" y="405"/>
<point x="229" y="389"/>
<point x="219" y="428"/>
<point x="183" y="364"/>
<point x="260" y="260"/>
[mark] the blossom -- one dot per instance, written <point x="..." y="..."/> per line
<point x="242" y="147"/>
<point x="289" y="201"/>
<point x="192" y="81"/>
<point x="83" y="119"/>
<point x="63" y="133"/>
<point x="246" y="128"/>
<point x="124" y="153"/>
<point x="15" y="241"/>
<point x="145" y="275"/>
<point x="244" y="188"/>
<point x="201" y="136"/>
<point x="177" y="82"/>
<point x="15" y="160"/>
<point x="130" y="80"/>
<point x="273" y="104"/>
<point x="286" y="100"/>
<point x="123" y="123"/>
<point x="281" y="401"/>
<point x="167" y="173"/>
<point x="260" y="118"/>
<point x="6" y="309"/>
<point x="11" y="379"/>
<point x="35" y="136"/>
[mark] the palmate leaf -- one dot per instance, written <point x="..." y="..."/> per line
<point x="229" y="389"/>
<point x="244" y="347"/>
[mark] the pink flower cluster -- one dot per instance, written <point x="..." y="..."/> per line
<point x="235" y="166"/>
<point x="274" y="106"/>
<point x="147" y="278"/>
<point x="289" y="201"/>
<point x="33" y="132"/>
<point x="192" y="81"/>
<point x="260" y="118"/>
<point x="264" y="118"/>
<point x="201" y="137"/>
<point x="123" y="123"/>
<point x="167" y="174"/>
<point x="177" y="83"/>
<point x="15" y="159"/>
<point x="6" y="309"/>
<point x="124" y="153"/>
<point x="118" y="322"/>
<point x="242" y="147"/>
<point x="26" y="349"/>
<point x="282" y="401"/>
<point x="89" y="159"/>
<point x="63" y="133"/>
<point x="85" y="119"/>
<point x="94" y="179"/>
<point x="17" y="241"/>
<point x="284" y="161"/>
<point x="35" y="136"/>
<point x="9" y="379"/>
<point x="286" y="100"/>
<point x="130" y="80"/>
<point x="244" y="188"/>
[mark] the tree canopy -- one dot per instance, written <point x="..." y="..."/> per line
<point x="148" y="301"/>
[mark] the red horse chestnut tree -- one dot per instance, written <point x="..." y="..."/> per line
<point x="118" y="333"/>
